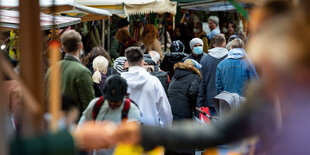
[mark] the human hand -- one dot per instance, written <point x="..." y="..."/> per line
<point x="129" y="133"/>
<point x="93" y="135"/>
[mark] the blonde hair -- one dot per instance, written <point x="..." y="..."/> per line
<point x="100" y="65"/>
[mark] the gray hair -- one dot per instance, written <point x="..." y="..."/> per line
<point x="236" y="43"/>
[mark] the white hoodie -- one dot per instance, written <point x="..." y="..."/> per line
<point x="148" y="93"/>
<point x="218" y="52"/>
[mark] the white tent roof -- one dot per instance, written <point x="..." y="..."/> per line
<point x="10" y="19"/>
<point x="115" y="2"/>
<point x="13" y="4"/>
<point x="128" y="7"/>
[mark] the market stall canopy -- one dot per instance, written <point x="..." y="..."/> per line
<point x="131" y="7"/>
<point x="212" y="5"/>
<point x="10" y="19"/>
<point x="255" y="2"/>
<point x="60" y="6"/>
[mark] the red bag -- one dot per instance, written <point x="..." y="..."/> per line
<point x="205" y="118"/>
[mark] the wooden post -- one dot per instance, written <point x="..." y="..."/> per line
<point x="31" y="60"/>
<point x="54" y="85"/>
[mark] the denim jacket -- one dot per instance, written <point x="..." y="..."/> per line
<point x="234" y="72"/>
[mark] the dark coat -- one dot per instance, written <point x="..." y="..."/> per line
<point x="183" y="90"/>
<point x="197" y="58"/>
<point x="207" y="88"/>
<point x="170" y="59"/>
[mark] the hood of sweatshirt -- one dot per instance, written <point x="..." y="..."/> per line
<point x="218" y="52"/>
<point x="136" y="77"/>
<point x="236" y="53"/>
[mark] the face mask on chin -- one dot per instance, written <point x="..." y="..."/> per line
<point x="198" y="50"/>
<point x="195" y="30"/>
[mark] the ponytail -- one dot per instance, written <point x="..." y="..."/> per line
<point x="96" y="76"/>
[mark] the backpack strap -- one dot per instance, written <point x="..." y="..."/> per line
<point x="97" y="107"/>
<point x="126" y="108"/>
<point x="156" y="68"/>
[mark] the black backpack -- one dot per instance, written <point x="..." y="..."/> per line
<point x="161" y="75"/>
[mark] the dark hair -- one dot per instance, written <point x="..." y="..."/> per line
<point x="134" y="55"/>
<point x="96" y="51"/>
<point x="122" y="23"/>
<point x="218" y="40"/>
<point x="68" y="103"/>
<point x="198" y="23"/>
<point x="122" y="36"/>
<point x="71" y="40"/>
<point x="232" y="23"/>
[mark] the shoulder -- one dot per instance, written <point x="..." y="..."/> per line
<point x="134" y="108"/>
<point x="90" y="107"/>
<point x="82" y="70"/>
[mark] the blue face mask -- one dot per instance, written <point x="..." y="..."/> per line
<point x="197" y="50"/>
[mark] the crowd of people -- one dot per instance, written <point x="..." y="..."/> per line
<point x="151" y="91"/>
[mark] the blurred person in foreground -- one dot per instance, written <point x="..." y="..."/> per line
<point x="277" y="108"/>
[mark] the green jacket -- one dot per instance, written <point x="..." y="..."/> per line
<point x="60" y="143"/>
<point x="114" y="48"/>
<point x="76" y="81"/>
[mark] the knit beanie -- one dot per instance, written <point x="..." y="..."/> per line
<point x="119" y="64"/>
<point x="195" y="41"/>
<point x="177" y="46"/>
<point x="215" y="19"/>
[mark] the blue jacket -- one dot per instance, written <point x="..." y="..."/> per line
<point x="234" y="72"/>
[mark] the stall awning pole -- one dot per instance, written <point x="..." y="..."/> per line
<point x="31" y="60"/>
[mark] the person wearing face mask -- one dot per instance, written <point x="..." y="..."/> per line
<point x="199" y="33"/>
<point x="196" y="46"/>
